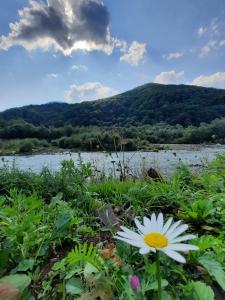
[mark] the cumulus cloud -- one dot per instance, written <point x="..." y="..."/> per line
<point x="79" y="68"/>
<point x="170" y="77"/>
<point x="64" y="25"/>
<point x="134" y="55"/>
<point x="216" y="80"/>
<point x="67" y="26"/>
<point x="173" y="55"/>
<point x="88" y="91"/>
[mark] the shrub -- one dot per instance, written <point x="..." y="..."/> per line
<point x="26" y="147"/>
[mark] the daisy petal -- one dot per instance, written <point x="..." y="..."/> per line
<point x="183" y="238"/>
<point x="140" y="227"/>
<point x="130" y="234"/>
<point x="178" y="231"/>
<point x="182" y="247"/>
<point x="154" y="226"/>
<point x="138" y="244"/>
<point x="147" y="223"/>
<point x="172" y="228"/>
<point x="167" y="225"/>
<point x="160" y="222"/>
<point x="174" y="255"/>
<point x="144" y="250"/>
<point x="152" y="249"/>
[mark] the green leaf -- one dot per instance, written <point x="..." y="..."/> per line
<point x="62" y="222"/>
<point x="75" y="270"/>
<point x="4" y="258"/>
<point x="85" y="229"/>
<point x="74" y="286"/>
<point x="166" y="296"/>
<point x="33" y="203"/>
<point x="18" y="281"/>
<point x="214" y="269"/>
<point x="202" y="291"/>
<point x="151" y="269"/>
<point x="25" y="265"/>
<point x="154" y="285"/>
<point x="89" y="270"/>
<point x="86" y="254"/>
<point x="59" y="265"/>
<point x="205" y="242"/>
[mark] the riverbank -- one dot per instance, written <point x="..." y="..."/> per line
<point x="30" y="147"/>
<point x="58" y="233"/>
<point x="20" y="147"/>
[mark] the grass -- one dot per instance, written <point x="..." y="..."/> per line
<point x="57" y="233"/>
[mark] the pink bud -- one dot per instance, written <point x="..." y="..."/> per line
<point x="135" y="282"/>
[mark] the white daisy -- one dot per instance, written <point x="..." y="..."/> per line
<point x="155" y="235"/>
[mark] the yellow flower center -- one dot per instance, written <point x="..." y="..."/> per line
<point x="156" y="240"/>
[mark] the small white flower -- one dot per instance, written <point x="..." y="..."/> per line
<point x="155" y="235"/>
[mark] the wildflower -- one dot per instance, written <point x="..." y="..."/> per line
<point x="135" y="282"/>
<point x="155" y="236"/>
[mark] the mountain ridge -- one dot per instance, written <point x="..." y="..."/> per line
<point x="147" y="104"/>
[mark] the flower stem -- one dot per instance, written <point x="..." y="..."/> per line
<point x="158" y="276"/>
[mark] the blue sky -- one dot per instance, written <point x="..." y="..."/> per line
<point x="75" y="50"/>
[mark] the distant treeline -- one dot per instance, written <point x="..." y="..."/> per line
<point x="92" y="138"/>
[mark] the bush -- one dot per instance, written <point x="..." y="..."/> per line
<point x="26" y="147"/>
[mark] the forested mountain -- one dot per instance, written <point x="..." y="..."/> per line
<point x="147" y="104"/>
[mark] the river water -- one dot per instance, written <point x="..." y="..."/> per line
<point x="164" y="161"/>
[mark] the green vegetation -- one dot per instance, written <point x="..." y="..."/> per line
<point x="147" y="115"/>
<point x="57" y="234"/>
<point x="20" y="137"/>
<point x="146" y="105"/>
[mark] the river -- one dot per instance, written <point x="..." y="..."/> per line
<point x="164" y="161"/>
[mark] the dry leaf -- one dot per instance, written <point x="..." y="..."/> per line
<point x="110" y="253"/>
<point x="97" y="294"/>
<point x="108" y="217"/>
<point x="8" y="292"/>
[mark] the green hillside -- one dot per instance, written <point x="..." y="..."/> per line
<point x="149" y="114"/>
<point x="147" y="104"/>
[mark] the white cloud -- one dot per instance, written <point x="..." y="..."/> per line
<point x="215" y="34"/>
<point x="212" y="45"/>
<point x="207" y="48"/>
<point x="214" y="29"/>
<point x="52" y="76"/>
<point x="134" y="55"/>
<point x="121" y="44"/>
<point x="64" y="25"/>
<point x="216" y="26"/>
<point x="173" y="55"/>
<point x="201" y="31"/>
<point x="216" y="80"/>
<point x="88" y="91"/>
<point x="67" y="26"/>
<point x="222" y="43"/>
<point x="79" y="68"/>
<point x="170" y="77"/>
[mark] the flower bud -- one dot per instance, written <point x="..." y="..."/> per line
<point x="135" y="282"/>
